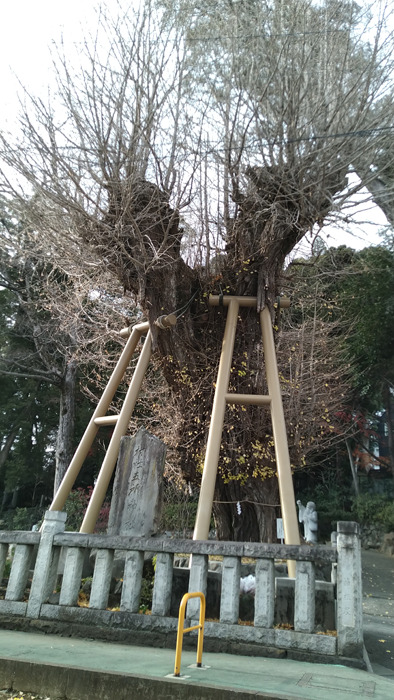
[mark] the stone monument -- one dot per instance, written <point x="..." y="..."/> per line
<point x="137" y="492"/>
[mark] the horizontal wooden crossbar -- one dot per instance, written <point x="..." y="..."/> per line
<point x="106" y="420"/>
<point x="248" y="399"/>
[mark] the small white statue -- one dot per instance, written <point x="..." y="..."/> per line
<point x="248" y="585"/>
<point x="308" y="516"/>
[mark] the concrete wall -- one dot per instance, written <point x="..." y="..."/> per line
<point x="32" y="598"/>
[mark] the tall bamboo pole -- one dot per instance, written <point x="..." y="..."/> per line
<point x="100" y="411"/>
<point x="286" y="489"/>
<point x="204" y="510"/>
<point x="111" y="456"/>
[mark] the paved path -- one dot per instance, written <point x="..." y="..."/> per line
<point x="90" y="670"/>
<point x="378" y="610"/>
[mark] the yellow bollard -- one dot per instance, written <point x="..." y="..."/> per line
<point x="182" y="630"/>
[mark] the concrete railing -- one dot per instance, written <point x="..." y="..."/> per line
<point x="36" y="600"/>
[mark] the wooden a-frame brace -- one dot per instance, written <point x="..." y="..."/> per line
<point x="221" y="399"/>
<point x="273" y="400"/>
<point x="120" y="422"/>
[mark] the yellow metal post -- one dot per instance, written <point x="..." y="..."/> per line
<point x="101" y="409"/>
<point x="204" y="510"/>
<point x="111" y="456"/>
<point x="286" y="489"/>
<point x="182" y="630"/>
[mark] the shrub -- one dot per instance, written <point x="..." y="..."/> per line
<point x="373" y="509"/>
<point x="76" y="505"/>
<point x="387" y="516"/>
<point x="21" y="518"/>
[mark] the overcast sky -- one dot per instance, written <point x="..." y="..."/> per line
<point x="27" y="30"/>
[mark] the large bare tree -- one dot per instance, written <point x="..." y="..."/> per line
<point x="189" y="152"/>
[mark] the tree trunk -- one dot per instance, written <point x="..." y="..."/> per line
<point x="389" y="408"/>
<point x="65" y="435"/>
<point x="9" y="441"/>
<point x="240" y="515"/>
<point x="272" y="214"/>
<point x="380" y="191"/>
<point x="353" y="468"/>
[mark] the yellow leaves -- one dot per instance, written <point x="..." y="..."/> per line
<point x="263" y="472"/>
<point x="242" y="478"/>
<point x="83" y="600"/>
<point x="257" y="445"/>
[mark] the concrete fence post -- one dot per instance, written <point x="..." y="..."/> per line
<point x="161" y="600"/>
<point x="229" y="604"/>
<point x="264" y="601"/>
<point x="72" y="575"/>
<point x="349" y="590"/>
<point x="45" y="570"/>
<point x="132" y="579"/>
<point x="304" y="597"/>
<point x="101" y="579"/>
<point x="197" y="583"/>
<point x="19" y="571"/>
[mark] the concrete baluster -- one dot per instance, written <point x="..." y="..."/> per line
<point x="304" y="599"/>
<point x="71" y="583"/>
<point x="197" y="583"/>
<point x="264" y="602"/>
<point x="349" y="590"/>
<point x="101" y="579"/>
<point x="132" y="579"/>
<point x="45" y="570"/>
<point x="162" y="588"/>
<point x="229" y="603"/>
<point x="19" y="571"/>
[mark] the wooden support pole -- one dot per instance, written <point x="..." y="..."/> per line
<point x="111" y="456"/>
<point x="204" y="510"/>
<point x="286" y="489"/>
<point x="101" y="409"/>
